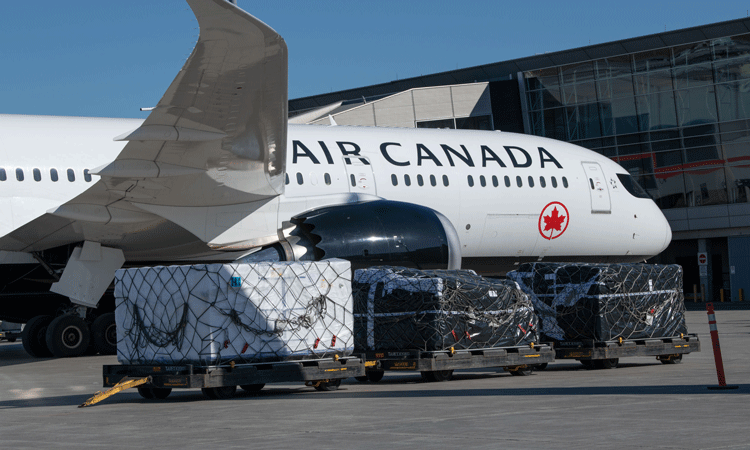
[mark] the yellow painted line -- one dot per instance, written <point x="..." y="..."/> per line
<point x="532" y="356"/>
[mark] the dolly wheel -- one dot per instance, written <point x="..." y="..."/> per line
<point x="152" y="393"/>
<point x="161" y="393"/>
<point x="437" y="375"/>
<point x="541" y="366"/>
<point x="607" y="363"/>
<point x="670" y="359"/>
<point x="252" y="387"/>
<point x="588" y="363"/>
<point x="375" y="375"/>
<point x="330" y="385"/>
<point x="146" y="393"/>
<point x="522" y="371"/>
<point x="362" y="379"/>
<point x="219" y="393"/>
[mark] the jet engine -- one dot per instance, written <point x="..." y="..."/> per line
<point x="379" y="232"/>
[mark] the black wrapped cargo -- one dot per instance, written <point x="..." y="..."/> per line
<point x="604" y="302"/>
<point x="397" y="309"/>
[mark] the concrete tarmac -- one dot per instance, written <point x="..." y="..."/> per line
<point x="641" y="404"/>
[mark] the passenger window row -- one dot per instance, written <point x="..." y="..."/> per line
<point x="37" y="175"/>
<point x="420" y="180"/>
<point x="519" y="181"/>
<point x="301" y="179"/>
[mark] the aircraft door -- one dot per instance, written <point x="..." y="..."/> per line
<point x="598" y="189"/>
<point x="361" y="178"/>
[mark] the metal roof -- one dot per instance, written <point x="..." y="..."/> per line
<point x="501" y="70"/>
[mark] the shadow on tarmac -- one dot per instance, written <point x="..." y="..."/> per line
<point x="12" y="354"/>
<point x="285" y="393"/>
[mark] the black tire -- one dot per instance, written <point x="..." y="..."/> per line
<point x="541" y="366"/>
<point x="209" y="392"/>
<point x="146" y="393"/>
<point x="12" y="339"/>
<point x="90" y="350"/>
<point x="522" y="371"/>
<point x="671" y="359"/>
<point x="607" y="363"/>
<point x="161" y="393"/>
<point x="68" y="336"/>
<point x="219" y="393"/>
<point x="437" y="375"/>
<point x="252" y="387"/>
<point x="34" y="337"/>
<point x="362" y="379"/>
<point x="330" y="385"/>
<point x="373" y="376"/>
<point x="152" y="393"/>
<point x="588" y="363"/>
<point x="104" y="334"/>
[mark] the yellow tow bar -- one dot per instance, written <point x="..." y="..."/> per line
<point x="125" y="383"/>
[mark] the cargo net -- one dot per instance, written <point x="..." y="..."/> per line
<point x="604" y="302"/>
<point x="210" y="314"/>
<point x="405" y="309"/>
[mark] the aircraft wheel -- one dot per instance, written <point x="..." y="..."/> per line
<point x="34" y="337"/>
<point x="68" y="335"/>
<point x="104" y="334"/>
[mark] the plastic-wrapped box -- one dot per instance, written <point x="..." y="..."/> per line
<point x="399" y="309"/>
<point x="604" y="302"/>
<point x="209" y="313"/>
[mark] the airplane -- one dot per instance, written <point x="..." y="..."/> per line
<point x="218" y="173"/>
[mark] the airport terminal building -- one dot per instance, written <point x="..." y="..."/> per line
<point x="672" y="108"/>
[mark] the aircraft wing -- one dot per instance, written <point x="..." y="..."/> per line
<point x="214" y="144"/>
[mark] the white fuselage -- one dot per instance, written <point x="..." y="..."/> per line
<point x="480" y="180"/>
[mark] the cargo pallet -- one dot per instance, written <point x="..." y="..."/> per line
<point x="221" y="381"/>
<point x="439" y="365"/>
<point x="606" y="354"/>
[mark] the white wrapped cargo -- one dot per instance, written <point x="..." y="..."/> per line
<point x="211" y="313"/>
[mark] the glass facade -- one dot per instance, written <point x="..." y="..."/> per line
<point x="677" y="118"/>
<point x="460" y="123"/>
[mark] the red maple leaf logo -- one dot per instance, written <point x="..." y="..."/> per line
<point x="554" y="221"/>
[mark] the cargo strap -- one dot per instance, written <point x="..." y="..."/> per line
<point x="125" y="383"/>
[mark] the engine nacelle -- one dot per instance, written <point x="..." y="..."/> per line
<point x="379" y="232"/>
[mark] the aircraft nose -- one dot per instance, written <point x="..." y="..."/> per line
<point x="667" y="234"/>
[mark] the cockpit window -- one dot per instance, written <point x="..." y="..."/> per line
<point x="632" y="186"/>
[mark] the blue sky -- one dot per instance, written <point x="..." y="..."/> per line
<point x="109" y="58"/>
